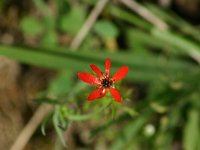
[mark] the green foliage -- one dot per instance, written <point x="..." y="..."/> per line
<point x="191" y="130"/>
<point x="72" y="21"/>
<point x="106" y="29"/>
<point x="49" y="39"/>
<point x="62" y="84"/>
<point x="57" y="122"/>
<point x="30" y="26"/>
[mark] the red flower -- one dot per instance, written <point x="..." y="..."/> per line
<point x="104" y="82"/>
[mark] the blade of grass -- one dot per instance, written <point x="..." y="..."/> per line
<point x="152" y="68"/>
<point x="173" y="19"/>
<point x="129" y="17"/>
<point x="190" y="138"/>
<point x="181" y="43"/>
<point x="56" y="124"/>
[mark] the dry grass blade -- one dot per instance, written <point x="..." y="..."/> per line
<point x="88" y="24"/>
<point x="145" y="13"/>
<point x="32" y="125"/>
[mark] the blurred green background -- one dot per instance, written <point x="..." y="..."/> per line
<point x="157" y="39"/>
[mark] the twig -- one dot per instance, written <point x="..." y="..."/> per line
<point x="32" y="125"/>
<point x="44" y="109"/>
<point x="145" y="13"/>
<point x="88" y="24"/>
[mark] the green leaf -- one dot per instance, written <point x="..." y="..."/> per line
<point x="72" y="22"/>
<point x="182" y="44"/>
<point x="191" y="131"/>
<point x="130" y="111"/>
<point x="45" y="123"/>
<point x="62" y="117"/>
<point x="50" y="39"/>
<point x="56" y="124"/>
<point x="106" y="29"/>
<point x="31" y="26"/>
<point x="61" y="84"/>
<point x="146" y="40"/>
<point x="48" y="19"/>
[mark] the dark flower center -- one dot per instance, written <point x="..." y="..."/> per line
<point x="106" y="82"/>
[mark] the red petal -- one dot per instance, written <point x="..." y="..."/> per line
<point x="120" y="74"/>
<point x="107" y="66"/>
<point x="99" y="93"/>
<point x="116" y="95"/>
<point x="88" y="78"/>
<point x="96" y="70"/>
<point x="104" y="91"/>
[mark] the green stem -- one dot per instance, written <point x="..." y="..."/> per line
<point x="88" y="116"/>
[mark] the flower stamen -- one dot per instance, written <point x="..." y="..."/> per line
<point x="106" y="82"/>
